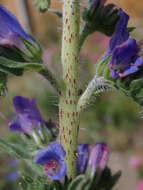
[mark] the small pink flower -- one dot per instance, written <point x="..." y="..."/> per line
<point x="135" y="162"/>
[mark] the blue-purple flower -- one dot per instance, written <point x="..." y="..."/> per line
<point x="27" y="115"/>
<point x="125" y="58"/>
<point x="10" y="29"/>
<point x="98" y="158"/>
<point x="52" y="158"/>
<point x="12" y="176"/>
<point x="82" y="157"/>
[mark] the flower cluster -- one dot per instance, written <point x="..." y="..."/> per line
<point x="52" y="157"/>
<point x="28" y="120"/>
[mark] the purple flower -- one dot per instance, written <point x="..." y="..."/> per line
<point x="52" y="157"/>
<point x="125" y="58"/>
<point x="82" y="158"/>
<point x="13" y="162"/>
<point x="98" y="158"/>
<point x="27" y="115"/>
<point x="121" y="33"/>
<point x="12" y="176"/>
<point x="10" y="29"/>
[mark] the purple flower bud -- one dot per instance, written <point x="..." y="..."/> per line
<point x="27" y="115"/>
<point x="82" y="158"/>
<point x="52" y="157"/>
<point x="98" y="158"/>
<point x="11" y="30"/>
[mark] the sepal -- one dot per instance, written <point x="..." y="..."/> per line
<point x="17" y="68"/>
<point x="32" y="52"/>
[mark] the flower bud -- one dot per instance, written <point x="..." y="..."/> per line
<point x="99" y="17"/>
<point x="82" y="157"/>
<point x="98" y="158"/>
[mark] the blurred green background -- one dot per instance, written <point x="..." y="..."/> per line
<point x="112" y="117"/>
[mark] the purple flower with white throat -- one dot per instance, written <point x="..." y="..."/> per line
<point x="98" y="158"/>
<point x="27" y="116"/>
<point x="52" y="158"/>
<point x="11" y="30"/>
<point x="125" y="58"/>
<point x="82" y="157"/>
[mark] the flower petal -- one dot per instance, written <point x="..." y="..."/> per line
<point x="121" y="33"/>
<point x="82" y="158"/>
<point x="27" y="110"/>
<point x="9" y="23"/>
<point x="98" y="157"/>
<point x="15" y="126"/>
<point x="53" y="159"/>
<point x="53" y="150"/>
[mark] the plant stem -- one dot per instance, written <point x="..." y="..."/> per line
<point x="96" y="86"/>
<point x="46" y="73"/>
<point x="68" y="115"/>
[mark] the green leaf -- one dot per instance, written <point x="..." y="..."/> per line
<point x="36" y="183"/>
<point x="115" y="178"/>
<point x="15" y="150"/>
<point x="77" y="183"/>
<point x="11" y="71"/>
<point x="131" y="28"/>
<point x="37" y="168"/>
<point x="7" y="64"/>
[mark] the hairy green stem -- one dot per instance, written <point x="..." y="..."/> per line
<point x="47" y="74"/>
<point x="96" y="85"/>
<point x="83" y="35"/>
<point x="68" y="115"/>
